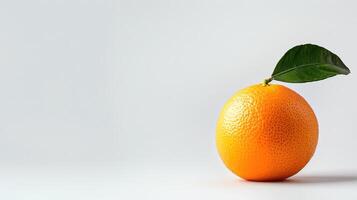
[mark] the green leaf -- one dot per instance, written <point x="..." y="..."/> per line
<point x="306" y="63"/>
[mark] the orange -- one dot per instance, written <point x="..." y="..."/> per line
<point x="266" y="133"/>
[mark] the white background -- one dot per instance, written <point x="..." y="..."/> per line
<point x="119" y="99"/>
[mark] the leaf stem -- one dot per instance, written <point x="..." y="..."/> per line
<point x="267" y="81"/>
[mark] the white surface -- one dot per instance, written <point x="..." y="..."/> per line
<point x="199" y="182"/>
<point x="119" y="99"/>
<point x="166" y="182"/>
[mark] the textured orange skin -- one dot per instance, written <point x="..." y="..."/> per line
<point x="266" y="133"/>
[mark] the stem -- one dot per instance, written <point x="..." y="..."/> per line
<point x="267" y="81"/>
